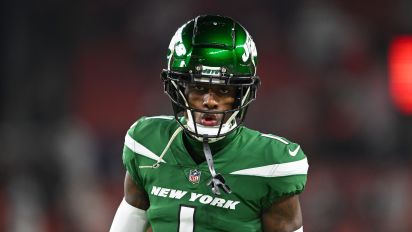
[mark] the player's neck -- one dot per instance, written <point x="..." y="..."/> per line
<point x="195" y="147"/>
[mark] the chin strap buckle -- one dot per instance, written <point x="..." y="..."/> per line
<point x="218" y="182"/>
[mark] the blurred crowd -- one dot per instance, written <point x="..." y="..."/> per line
<point x="77" y="74"/>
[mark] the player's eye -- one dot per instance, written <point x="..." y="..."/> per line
<point x="224" y="91"/>
<point x="198" y="88"/>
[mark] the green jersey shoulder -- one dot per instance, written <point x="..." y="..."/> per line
<point x="144" y="140"/>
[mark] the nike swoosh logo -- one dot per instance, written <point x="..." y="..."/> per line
<point x="294" y="152"/>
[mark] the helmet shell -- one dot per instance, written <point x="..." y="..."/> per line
<point x="213" y="46"/>
<point x="216" y="50"/>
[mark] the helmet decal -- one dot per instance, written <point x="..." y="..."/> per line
<point x="180" y="49"/>
<point x="250" y="50"/>
<point x="176" y="44"/>
<point x="210" y="71"/>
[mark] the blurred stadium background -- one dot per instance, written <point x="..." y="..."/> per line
<point x="77" y="74"/>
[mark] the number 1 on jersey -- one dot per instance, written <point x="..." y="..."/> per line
<point x="186" y="219"/>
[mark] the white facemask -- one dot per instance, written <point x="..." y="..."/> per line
<point x="210" y="130"/>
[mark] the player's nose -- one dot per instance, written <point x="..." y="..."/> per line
<point x="209" y="100"/>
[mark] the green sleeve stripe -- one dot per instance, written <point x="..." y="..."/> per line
<point x="138" y="148"/>
<point x="275" y="170"/>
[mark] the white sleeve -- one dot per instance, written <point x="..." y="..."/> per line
<point x="129" y="218"/>
<point x="299" y="230"/>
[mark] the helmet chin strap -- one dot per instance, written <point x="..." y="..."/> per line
<point x="217" y="182"/>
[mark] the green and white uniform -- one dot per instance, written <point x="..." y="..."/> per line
<point x="260" y="169"/>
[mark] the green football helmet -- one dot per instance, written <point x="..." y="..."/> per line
<point x="213" y="50"/>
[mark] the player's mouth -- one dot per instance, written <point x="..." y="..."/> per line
<point x="209" y="120"/>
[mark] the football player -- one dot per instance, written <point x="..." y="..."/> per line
<point x="201" y="170"/>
